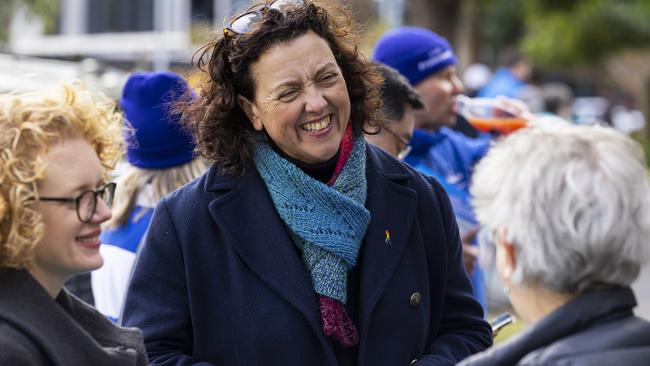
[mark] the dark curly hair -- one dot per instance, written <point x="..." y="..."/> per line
<point x="223" y="132"/>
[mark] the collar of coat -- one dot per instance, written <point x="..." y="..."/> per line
<point x="567" y="331"/>
<point x="67" y="330"/>
<point x="264" y="244"/>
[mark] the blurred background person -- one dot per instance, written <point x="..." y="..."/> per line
<point x="429" y="63"/>
<point x="475" y="77"/>
<point x="558" y="99"/>
<point x="569" y="209"/>
<point x="160" y="159"/>
<point x="56" y="151"/>
<point x="510" y="80"/>
<point x="302" y="244"/>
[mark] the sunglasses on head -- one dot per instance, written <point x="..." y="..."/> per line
<point x="247" y="21"/>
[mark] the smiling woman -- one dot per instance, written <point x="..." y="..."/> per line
<point x="56" y="150"/>
<point x="301" y="99"/>
<point x="280" y="254"/>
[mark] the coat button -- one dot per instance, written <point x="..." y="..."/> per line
<point x="415" y="300"/>
<point x="415" y="361"/>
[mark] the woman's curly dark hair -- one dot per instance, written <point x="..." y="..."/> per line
<point x="223" y="132"/>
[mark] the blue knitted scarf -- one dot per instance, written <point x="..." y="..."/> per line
<point x="327" y="223"/>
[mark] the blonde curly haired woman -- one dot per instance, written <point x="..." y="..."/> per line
<point x="56" y="150"/>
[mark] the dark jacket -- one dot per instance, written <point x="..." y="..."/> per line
<point x="220" y="281"/>
<point x="597" y="328"/>
<point x="38" y="330"/>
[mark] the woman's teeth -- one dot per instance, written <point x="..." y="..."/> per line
<point x="88" y="240"/>
<point x="317" y="126"/>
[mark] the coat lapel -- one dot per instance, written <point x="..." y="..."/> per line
<point x="392" y="208"/>
<point x="68" y="331"/>
<point x="244" y="208"/>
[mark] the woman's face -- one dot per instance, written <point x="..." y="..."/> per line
<point x="301" y="99"/>
<point x="69" y="246"/>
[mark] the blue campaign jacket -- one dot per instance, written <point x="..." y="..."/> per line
<point x="503" y="82"/>
<point x="219" y="281"/>
<point x="448" y="153"/>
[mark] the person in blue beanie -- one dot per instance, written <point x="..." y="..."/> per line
<point x="429" y="63"/>
<point x="160" y="159"/>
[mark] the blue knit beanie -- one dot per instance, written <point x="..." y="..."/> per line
<point x="415" y="52"/>
<point x="159" y="141"/>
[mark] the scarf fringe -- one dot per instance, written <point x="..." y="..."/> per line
<point x="337" y="325"/>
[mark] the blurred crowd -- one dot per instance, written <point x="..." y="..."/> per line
<point x="304" y="205"/>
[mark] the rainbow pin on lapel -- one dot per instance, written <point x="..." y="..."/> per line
<point x="387" y="237"/>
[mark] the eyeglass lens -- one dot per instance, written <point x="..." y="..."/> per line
<point x="86" y="206"/>
<point x="245" y="22"/>
<point x="87" y="202"/>
<point x="283" y="4"/>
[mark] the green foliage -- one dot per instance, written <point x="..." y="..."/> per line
<point x="644" y="140"/>
<point x="45" y="9"/>
<point x="559" y="32"/>
<point x="583" y="31"/>
<point x="501" y="24"/>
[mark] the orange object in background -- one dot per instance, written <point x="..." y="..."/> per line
<point x="505" y="125"/>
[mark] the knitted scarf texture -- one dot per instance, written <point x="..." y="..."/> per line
<point x="327" y="222"/>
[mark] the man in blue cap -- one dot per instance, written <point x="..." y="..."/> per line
<point x="429" y="63"/>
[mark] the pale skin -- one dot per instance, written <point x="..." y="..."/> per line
<point x="438" y="93"/>
<point x="532" y="302"/>
<point x="403" y="128"/>
<point x="68" y="246"/>
<point x="301" y="98"/>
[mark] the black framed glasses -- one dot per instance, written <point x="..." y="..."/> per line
<point x="86" y="202"/>
<point x="406" y="147"/>
<point x="247" y="21"/>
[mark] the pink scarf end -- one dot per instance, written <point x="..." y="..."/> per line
<point x="337" y="325"/>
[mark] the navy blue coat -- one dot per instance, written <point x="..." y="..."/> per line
<point x="219" y="281"/>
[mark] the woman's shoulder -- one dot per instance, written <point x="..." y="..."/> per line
<point x="17" y="348"/>
<point x="625" y="341"/>
<point x="106" y="333"/>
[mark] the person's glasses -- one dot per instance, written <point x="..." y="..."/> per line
<point x="86" y="202"/>
<point x="405" y="149"/>
<point x="246" y="22"/>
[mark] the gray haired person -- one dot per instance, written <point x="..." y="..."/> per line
<point x="569" y="209"/>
